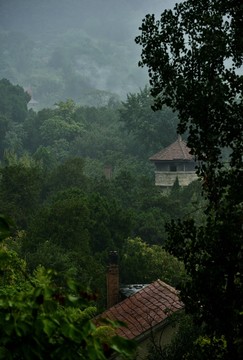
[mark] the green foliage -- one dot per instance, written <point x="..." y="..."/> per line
<point x="4" y="227"/>
<point x="4" y="127"/>
<point x="194" y="57"/>
<point x="13" y="268"/>
<point x="65" y="109"/>
<point x="56" y="128"/>
<point x="13" y="103"/>
<point x="102" y="138"/>
<point x="40" y="320"/>
<point x="65" y="222"/>
<point x="175" y="188"/>
<point x="13" y="111"/>
<point x="69" y="174"/>
<point x="185" y="335"/>
<point x="61" y="125"/>
<point x="35" y="323"/>
<point x="142" y="263"/>
<point x="188" y="343"/>
<point x="72" y="233"/>
<point x="152" y="129"/>
<point x="207" y="348"/>
<point x="20" y="187"/>
<point x="72" y="220"/>
<point x="110" y="224"/>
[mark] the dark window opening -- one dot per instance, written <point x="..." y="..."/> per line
<point x="173" y="168"/>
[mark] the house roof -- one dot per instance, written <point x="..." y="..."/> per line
<point x="147" y="308"/>
<point x="176" y="151"/>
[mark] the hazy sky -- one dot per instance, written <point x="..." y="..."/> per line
<point x="111" y="18"/>
<point x="49" y="23"/>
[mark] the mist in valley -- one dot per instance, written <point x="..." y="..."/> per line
<point x="79" y="49"/>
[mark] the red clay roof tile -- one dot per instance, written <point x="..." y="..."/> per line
<point x="148" y="307"/>
<point x="176" y="151"/>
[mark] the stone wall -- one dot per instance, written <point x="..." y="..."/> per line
<point x="167" y="178"/>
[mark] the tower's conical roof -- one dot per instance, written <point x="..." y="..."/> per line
<point x="178" y="150"/>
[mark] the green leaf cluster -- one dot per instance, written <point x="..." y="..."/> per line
<point x="194" y="59"/>
<point x="42" y="321"/>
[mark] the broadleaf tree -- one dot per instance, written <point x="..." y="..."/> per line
<point x="151" y="129"/>
<point x="194" y="56"/>
<point x="40" y="320"/>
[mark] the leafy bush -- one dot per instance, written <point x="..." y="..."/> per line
<point x="39" y="320"/>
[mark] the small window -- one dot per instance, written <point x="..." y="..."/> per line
<point x="173" y="167"/>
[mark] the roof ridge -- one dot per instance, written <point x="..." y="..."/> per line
<point x="178" y="150"/>
<point x="171" y="288"/>
<point x="148" y="307"/>
<point x="181" y="147"/>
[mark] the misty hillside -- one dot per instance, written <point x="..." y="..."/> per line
<point x="79" y="49"/>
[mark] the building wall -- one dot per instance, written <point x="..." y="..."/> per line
<point x="175" y="165"/>
<point x="167" y="178"/>
<point x="160" y="338"/>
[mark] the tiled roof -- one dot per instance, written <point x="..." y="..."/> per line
<point x="145" y="309"/>
<point x="176" y="151"/>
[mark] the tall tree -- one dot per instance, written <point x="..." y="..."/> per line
<point x="13" y="101"/>
<point x="20" y="189"/>
<point x="151" y="129"/>
<point x="142" y="263"/>
<point x="194" y="55"/>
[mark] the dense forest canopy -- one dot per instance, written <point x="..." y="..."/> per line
<point x="76" y="132"/>
<point x="53" y="170"/>
<point x="62" y="217"/>
<point x="63" y="214"/>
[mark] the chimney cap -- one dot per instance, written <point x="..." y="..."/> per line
<point x="113" y="257"/>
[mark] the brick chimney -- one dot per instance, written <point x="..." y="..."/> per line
<point x="112" y="280"/>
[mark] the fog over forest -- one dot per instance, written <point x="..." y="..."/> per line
<point x="79" y="49"/>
